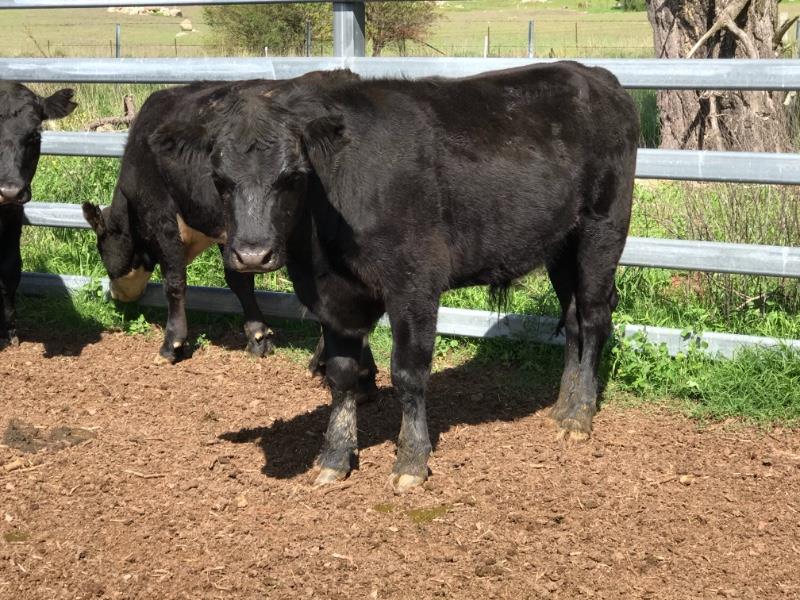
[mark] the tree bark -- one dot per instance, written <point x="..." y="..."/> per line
<point x="712" y="119"/>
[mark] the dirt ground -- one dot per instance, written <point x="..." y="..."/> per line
<point x="123" y="479"/>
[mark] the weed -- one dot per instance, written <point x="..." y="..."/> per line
<point x="138" y="326"/>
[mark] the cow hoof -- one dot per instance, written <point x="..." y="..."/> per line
<point x="13" y="340"/>
<point x="163" y="360"/>
<point x="401" y="482"/>
<point x="328" y="475"/>
<point x="259" y="347"/>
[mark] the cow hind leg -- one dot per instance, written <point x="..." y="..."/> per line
<point x="599" y="249"/>
<point x="414" y="332"/>
<point x="340" y="448"/>
<point x="564" y="277"/>
<point x="259" y="336"/>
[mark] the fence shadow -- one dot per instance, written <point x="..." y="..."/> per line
<point x="490" y="387"/>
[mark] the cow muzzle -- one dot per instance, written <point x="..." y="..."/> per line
<point x="130" y="287"/>
<point x="13" y="194"/>
<point x="248" y="258"/>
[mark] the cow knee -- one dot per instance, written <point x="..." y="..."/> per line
<point x="341" y="373"/>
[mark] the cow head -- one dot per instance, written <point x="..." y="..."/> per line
<point x="21" y="115"/>
<point x="129" y="268"/>
<point x="259" y="152"/>
<point x="258" y="169"/>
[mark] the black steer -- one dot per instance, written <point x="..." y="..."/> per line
<point x="21" y="115"/>
<point x="167" y="213"/>
<point x="380" y="195"/>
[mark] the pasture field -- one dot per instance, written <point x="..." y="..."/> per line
<point x="193" y="481"/>
<point x="460" y="31"/>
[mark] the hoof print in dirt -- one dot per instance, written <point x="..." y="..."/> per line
<point x="28" y="438"/>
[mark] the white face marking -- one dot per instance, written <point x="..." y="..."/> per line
<point x="130" y="287"/>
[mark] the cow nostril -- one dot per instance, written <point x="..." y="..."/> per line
<point x="238" y="256"/>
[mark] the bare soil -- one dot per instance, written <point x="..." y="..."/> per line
<point x="193" y="481"/>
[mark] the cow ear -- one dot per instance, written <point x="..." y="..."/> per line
<point x="324" y="137"/>
<point x="182" y="141"/>
<point x="59" y="105"/>
<point x="93" y="216"/>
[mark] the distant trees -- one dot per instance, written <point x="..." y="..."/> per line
<point x="282" y="27"/>
<point x="398" y="22"/>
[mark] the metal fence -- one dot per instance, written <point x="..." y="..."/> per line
<point x="349" y="49"/>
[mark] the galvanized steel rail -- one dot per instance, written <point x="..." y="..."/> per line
<point x="716" y="257"/>
<point x="694" y="165"/>
<point x="451" y="321"/>
<point x="645" y="73"/>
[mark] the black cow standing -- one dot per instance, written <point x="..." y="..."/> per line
<point x="167" y="213"/>
<point x="21" y="115"/>
<point x="380" y="195"/>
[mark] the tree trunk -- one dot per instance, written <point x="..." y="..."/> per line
<point x="719" y="120"/>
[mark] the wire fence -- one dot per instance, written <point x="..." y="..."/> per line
<point x="179" y="50"/>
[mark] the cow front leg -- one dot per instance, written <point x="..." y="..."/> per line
<point x="259" y="336"/>
<point x="340" y="448"/>
<point x="10" y="274"/>
<point x="413" y="332"/>
<point x="174" y="347"/>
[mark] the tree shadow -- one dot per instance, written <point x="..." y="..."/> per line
<point x="493" y="386"/>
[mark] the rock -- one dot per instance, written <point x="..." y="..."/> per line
<point x="186" y="25"/>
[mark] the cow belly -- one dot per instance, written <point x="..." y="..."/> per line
<point x="194" y="241"/>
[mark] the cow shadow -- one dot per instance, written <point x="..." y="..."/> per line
<point x="52" y="319"/>
<point x="226" y="332"/>
<point x="504" y="381"/>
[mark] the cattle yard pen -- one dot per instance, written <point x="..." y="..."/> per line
<point x="348" y="26"/>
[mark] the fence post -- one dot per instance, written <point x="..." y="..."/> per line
<point x="308" y="38"/>
<point x="530" y="39"/>
<point x="117" y="35"/>
<point x="797" y="38"/>
<point x="486" y="43"/>
<point x="348" y="28"/>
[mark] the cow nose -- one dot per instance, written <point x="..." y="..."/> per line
<point x="251" y="258"/>
<point x="10" y="191"/>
